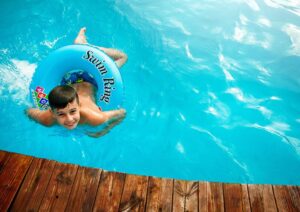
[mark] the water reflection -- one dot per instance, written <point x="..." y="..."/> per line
<point x="292" y="6"/>
<point x="200" y="75"/>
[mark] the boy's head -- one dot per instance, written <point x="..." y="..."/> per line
<point x="64" y="104"/>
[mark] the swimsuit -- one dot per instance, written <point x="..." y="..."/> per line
<point x="78" y="76"/>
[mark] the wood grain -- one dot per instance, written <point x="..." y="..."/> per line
<point x="31" y="184"/>
<point x="84" y="190"/>
<point x="215" y="197"/>
<point x="262" y="198"/>
<point x="134" y="193"/>
<point x="59" y="188"/>
<point x="233" y="197"/>
<point x="159" y="196"/>
<point x="34" y="186"/>
<point x="13" y="170"/>
<point x="109" y="192"/>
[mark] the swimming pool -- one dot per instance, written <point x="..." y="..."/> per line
<point x="212" y="88"/>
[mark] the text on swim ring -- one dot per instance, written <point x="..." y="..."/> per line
<point x="107" y="82"/>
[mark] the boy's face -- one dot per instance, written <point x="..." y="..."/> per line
<point x="69" y="116"/>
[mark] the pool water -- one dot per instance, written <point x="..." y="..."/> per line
<point x="212" y="88"/>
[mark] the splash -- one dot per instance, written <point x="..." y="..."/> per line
<point x="15" y="78"/>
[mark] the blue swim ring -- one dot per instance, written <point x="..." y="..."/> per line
<point x="50" y="71"/>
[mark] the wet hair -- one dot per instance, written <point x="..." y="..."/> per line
<point x="61" y="96"/>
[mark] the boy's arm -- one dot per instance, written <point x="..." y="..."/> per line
<point x="112" y="118"/>
<point x="119" y="57"/>
<point x="42" y="116"/>
<point x="106" y="129"/>
<point x="100" y="118"/>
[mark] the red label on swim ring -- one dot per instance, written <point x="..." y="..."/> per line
<point x="41" y="95"/>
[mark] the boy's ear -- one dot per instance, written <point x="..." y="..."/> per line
<point x="52" y="112"/>
<point x="79" y="104"/>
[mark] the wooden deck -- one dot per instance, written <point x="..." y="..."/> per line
<point x="32" y="184"/>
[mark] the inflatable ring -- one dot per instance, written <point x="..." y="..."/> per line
<point x="50" y="72"/>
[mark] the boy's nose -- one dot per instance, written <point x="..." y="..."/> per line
<point x="69" y="117"/>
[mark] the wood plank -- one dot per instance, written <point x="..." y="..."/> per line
<point x="256" y="197"/>
<point x="109" y="192"/>
<point x="179" y="195"/>
<point x="153" y="194"/>
<point x="191" y="201"/>
<point x="262" y="198"/>
<point x="59" y="188"/>
<point x="84" y="190"/>
<point x="31" y="193"/>
<point x="4" y="157"/>
<point x="246" y="198"/>
<point x="159" y="196"/>
<point x="11" y="176"/>
<point x="2" y="154"/>
<point x="233" y="197"/>
<point x="283" y="199"/>
<point x="203" y="198"/>
<point x="294" y="192"/>
<point x="166" y="196"/>
<point x="215" y="197"/>
<point x="287" y="198"/>
<point x="134" y="193"/>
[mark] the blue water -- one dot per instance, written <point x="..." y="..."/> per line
<point x="212" y="88"/>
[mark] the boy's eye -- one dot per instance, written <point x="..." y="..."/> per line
<point x="73" y="111"/>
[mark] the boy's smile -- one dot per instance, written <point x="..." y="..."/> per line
<point x="69" y="116"/>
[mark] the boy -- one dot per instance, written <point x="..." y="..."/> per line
<point x="75" y="104"/>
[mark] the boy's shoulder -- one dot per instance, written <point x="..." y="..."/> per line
<point x="91" y="116"/>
